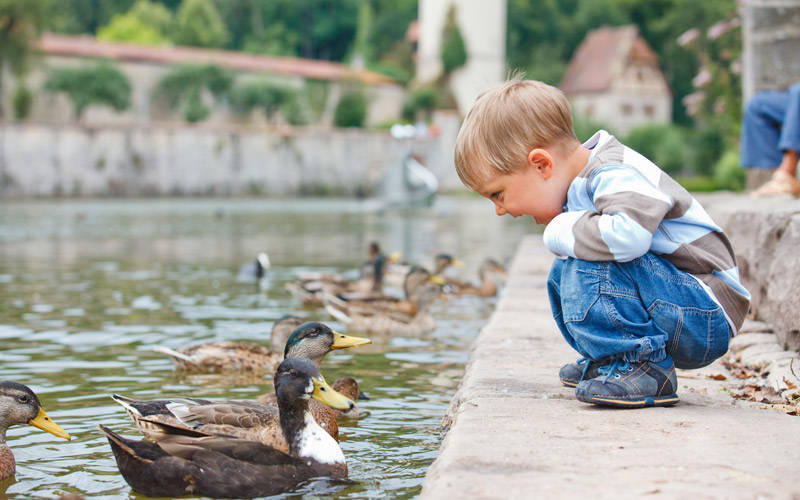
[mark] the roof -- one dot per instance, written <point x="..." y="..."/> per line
<point x="602" y="56"/>
<point x="87" y="46"/>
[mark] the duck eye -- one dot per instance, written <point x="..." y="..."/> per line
<point x="23" y="398"/>
<point x="293" y="373"/>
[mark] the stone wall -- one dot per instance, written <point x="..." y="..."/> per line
<point x="765" y="233"/>
<point x="771" y="45"/>
<point x="74" y="160"/>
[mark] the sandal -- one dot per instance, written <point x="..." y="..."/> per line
<point x="780" y="183"/>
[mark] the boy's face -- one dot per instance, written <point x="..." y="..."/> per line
<point x="529" y="191"/>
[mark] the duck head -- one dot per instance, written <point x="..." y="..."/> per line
<point x="314" y="340"/>
<point x="19" y="405"/>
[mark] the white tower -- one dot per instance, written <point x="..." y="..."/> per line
<point x="483" y="26"/>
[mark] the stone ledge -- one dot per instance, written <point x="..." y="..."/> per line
<point x="765" y="233"/>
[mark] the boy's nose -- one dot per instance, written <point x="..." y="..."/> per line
<point x="499" y="210"/>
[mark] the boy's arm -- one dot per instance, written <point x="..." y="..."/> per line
<point x="615" y="222"/>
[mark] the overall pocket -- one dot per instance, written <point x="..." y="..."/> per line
<point x="696" y="336"/>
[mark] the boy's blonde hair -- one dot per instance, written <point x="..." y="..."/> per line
<point x="508" y="121"/>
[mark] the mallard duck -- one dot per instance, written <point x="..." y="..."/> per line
<point x="19" y="405"/>
<point x="390" y="322"/>
<point x="396" y="272"/>
<point x="245" y="419"/>
<point x="346" y="386"/>
<point x="489" y="271"/>
<point x="235" y="357"/>
<point x="310" y="285"/>
<point x="407" y="308"/>
<point x="188" y="462"/>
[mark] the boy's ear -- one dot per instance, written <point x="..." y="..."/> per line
<point x="541" y="160"/>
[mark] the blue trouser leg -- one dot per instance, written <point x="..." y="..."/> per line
<point x="790" y="133"/>
<point x="640" y="310"/>
<point x="761" y="130"/>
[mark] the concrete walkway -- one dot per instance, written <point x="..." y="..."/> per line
<point x="513" y="431"/>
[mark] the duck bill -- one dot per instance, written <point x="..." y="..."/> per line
<point x="344" y="341"/>
<point x="437" y="280"/>
<point x="43" y="422"/>
<point x="326" y="395"/>
<point x="457" y="263"/>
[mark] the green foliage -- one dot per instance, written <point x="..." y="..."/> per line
<point x="351" y="110"/>
<point x="183" y="88"/>
<point x="101" y="84"/>
<point x="707" y="146"/>
<point x="728" y="172"/>
<point x="585" y="128"/>
<point x="22" y="101"/>
<point x="21" y="22"/>
<point x="393" y="71"/>
<point x="265" y="95"/>
<point x="128" y="28"/>
<point x="454" y="52"/>
<point x="423" y="100"/>
<point x="199" y="24"/>
<point x="664" y="145"/>
<point x="698" y="183"/>
<point x="315" y="94"/>
<point x="154" y="15"/>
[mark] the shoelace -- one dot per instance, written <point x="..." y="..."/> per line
<point x="587" y="362"/>
<point x="617" y="366"/>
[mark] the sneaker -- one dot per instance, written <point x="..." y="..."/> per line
<point x="631" y="385"/>
<point x="571" y="374"/>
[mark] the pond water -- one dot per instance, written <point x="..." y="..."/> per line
<point x="87" y="288"/>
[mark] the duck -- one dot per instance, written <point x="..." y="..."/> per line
<point x="370" y="282"/>
<point x="256" y="269"/>
<point x="20" y="405"/>
<point x="383" y="322"/>
<point x="488" y="272"/>
<point x="182" y="461"/>
<point x="346" y="386"/>
<point x="402" y="309"/>
<point x="442" y="262"/>
<point x="245" y="419"/>
<point x="235" y="357"/>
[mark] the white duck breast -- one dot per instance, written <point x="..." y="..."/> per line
<point x="314" y="442"/>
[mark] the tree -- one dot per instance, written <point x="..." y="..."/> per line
<point x="155" y="16"/>
<point x="100" y="84"/>
<point x="21" y="22"/>
<point x="128" y="28"/>
<point x="454" y="52"/>
<point x="184" y="85"/>
<point x="199" y="24"/>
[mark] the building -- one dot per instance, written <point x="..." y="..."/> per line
<point x="614" y="79"/>
<point x="145" y="66"/>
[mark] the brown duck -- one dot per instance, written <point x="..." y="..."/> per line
<point x="184" y="461"/>
<point x="19" y="405"/>
<point x="235" y="357"/>
<point x="244" y="419"/>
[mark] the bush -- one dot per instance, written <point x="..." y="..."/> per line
<point x="266" y="95"/>
<point x="664" y="145"/>
<point x="586" y="127"/>
<point x="728" y="172"/>
<point x="22" y="101"/>
<point x="707" y="145"/>
<point x="183" y="88"/>
<point x="85" y="86"/>
<point x="351" y="110"/>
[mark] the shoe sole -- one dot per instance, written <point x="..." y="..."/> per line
<point x="630" y="402"/>
<point x="569" y="383"/>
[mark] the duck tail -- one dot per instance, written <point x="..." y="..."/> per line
<point x="127" y="403"/>
<point x="116" y="440"/>
<point x="337" y="314"/>
<point x="172" y="353"/>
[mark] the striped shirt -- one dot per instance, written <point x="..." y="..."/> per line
<point x="621" y="206"/>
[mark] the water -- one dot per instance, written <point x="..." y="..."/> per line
<point x="88" y="287"/>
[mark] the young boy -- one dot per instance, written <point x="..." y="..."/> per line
<point x="645" y="280"/>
